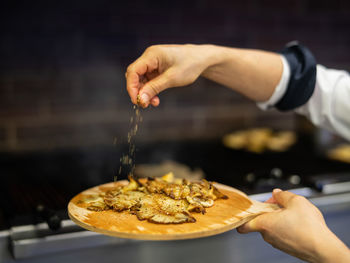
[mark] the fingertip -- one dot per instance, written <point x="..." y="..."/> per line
<point x="133" y="101"/>
<point x="155" y="101"/>
<point x="133" y="97"/>
<point x="250" y="226"/>
<point x="242" y="229"/>
<point x="276" y="190"/>
<point x="144" y="100"/>
<point x="246" y="228"/>
<point x="283" y="197"/>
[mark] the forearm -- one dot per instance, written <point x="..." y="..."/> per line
<point x="331" y="249"/>
<point x="253" y="73"/>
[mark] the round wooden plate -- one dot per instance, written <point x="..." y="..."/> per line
<point x="223" y="216"/>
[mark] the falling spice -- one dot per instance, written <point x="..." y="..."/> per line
<point x="128" y="160"/>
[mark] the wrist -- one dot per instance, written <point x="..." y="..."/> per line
<point x="213" y="56"/>
<point x="331" y="249"/>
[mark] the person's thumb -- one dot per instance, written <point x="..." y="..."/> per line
<point x="282" y="198"/>
<point x="152" y="88"/>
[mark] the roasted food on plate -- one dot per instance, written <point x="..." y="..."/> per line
<point x="165" y="200"/>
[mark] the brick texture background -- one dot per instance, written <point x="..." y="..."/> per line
<point x="62" y="65"/>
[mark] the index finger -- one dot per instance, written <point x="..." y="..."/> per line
<point x="285" y="198"/>
<point x="257" y="224"/>
<point x="136" y="72"/>
<point x="133" y="78"/>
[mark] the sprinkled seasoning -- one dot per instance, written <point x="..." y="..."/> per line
<point x="128" y="160"/>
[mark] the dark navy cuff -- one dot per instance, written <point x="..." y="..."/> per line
<point x="302" y="76"/>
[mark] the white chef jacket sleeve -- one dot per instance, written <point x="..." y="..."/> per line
<point x="319" y="93"/>
<point x="329" y="106"/>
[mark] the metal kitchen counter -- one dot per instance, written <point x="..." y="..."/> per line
<point x="85" y="246"/>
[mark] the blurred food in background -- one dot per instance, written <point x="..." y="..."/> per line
<point x="340" y="153"/>
<point x="259" y="140"/>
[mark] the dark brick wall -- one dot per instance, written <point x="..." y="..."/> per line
<point x="62" y="65"/>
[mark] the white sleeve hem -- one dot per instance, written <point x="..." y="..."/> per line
<point x="280" y="89"/>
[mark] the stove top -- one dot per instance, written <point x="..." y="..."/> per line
<point x="37" y="187"/>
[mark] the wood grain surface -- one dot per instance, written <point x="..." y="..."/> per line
<point x="223" y="216"/>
